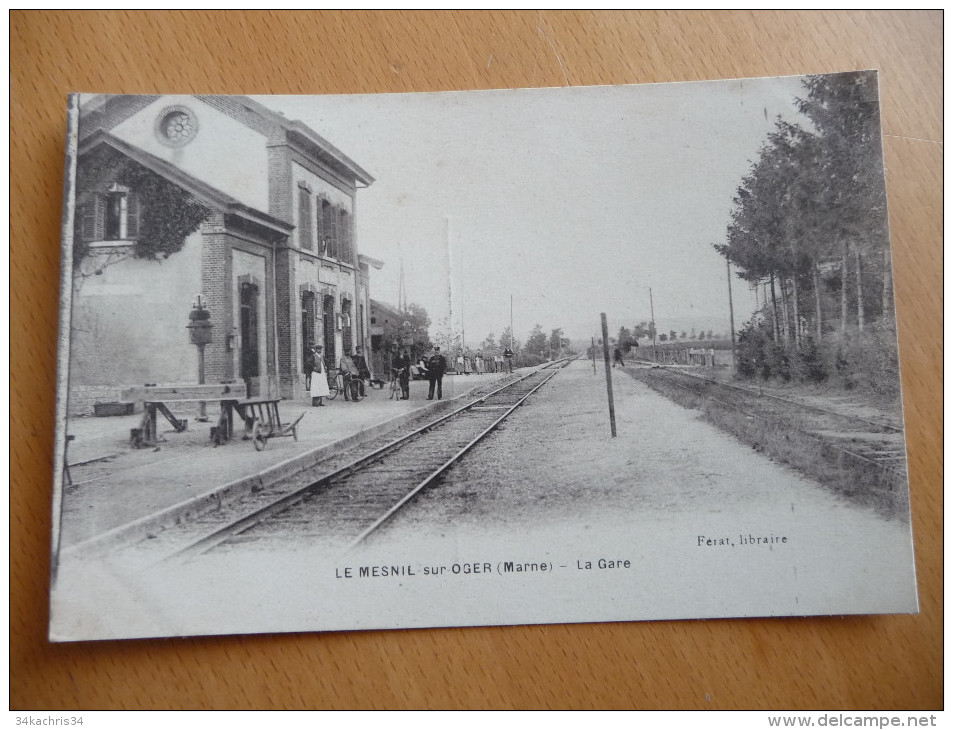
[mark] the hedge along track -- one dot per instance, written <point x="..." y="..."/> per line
<point x="862" y="458"/>
<point x="346" y="505"/>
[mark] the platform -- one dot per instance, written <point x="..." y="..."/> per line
<point x="116" y="487"/>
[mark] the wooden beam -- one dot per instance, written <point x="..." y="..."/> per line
<point x="187" y="391"/>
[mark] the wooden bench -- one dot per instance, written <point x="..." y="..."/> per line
<point x="157" y="398"/>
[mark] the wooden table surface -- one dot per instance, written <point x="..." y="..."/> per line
<point x="863" y="662"/>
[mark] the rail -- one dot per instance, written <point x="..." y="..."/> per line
<point x="224" y="533"/>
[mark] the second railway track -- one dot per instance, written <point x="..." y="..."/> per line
<point x="345" y="506"/>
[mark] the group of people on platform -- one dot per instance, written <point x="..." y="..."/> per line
<point x="432" y="368"/>
<point x="355" y="370"/>
<point x="354" y="367"/>
<point x="467" y="363"/>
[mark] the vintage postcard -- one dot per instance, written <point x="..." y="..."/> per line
<point x="477" y="358"/>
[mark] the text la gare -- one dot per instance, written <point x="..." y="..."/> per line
<point x="603" y="564"/>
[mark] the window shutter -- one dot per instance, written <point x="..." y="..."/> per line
<point x="318" y="224"/>
<point x="85" y="221"/>
<point x="132" y="216"/>
<point x="348" y="226"/>
<point x="334" y="233"/>
<point x="345" y="238"/>
<point x="327" y="227"/>
<point x="98" y="217"/>
<point x="304" y="219"/>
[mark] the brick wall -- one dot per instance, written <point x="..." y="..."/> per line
<point x="235" y="107"/>
<point x="279" y="180"/>
<point x="217" y="292"/>
<point x="82" y="398"/>
<point x="285" y="316"/>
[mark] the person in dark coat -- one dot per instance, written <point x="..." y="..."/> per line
<point x="401" y="366"/>
<point x="308" y="365"/>
<point x="436" y="367"/>
<point x="363" y="372"/>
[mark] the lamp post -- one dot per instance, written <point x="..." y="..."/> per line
<point x="200" y="334"/>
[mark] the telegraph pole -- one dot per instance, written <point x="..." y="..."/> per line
<point x="605" y="353"/>
<point x="652" y="310"/>
<point x="731" y="316"/>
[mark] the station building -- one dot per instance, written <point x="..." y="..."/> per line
<point x="216" y="203"/>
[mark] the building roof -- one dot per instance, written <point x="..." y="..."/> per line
<point x="201" y="190"/>
<point x="102" y="112"/>
<point x="364" y="259"/>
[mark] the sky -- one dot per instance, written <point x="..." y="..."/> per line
<point x="572" y="201"/>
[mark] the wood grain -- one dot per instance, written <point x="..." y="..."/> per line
<point x="878" y="662"/>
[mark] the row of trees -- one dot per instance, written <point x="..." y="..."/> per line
<point x="538" y="347"/>
<point x="808" y="231"/>
<point x="629" y="338"/>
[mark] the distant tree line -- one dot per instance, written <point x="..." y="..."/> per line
<point x="538" y="348"/>
<point x="808" y="232"/>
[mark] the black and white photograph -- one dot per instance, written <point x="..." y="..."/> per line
<point x="534" y="356"/>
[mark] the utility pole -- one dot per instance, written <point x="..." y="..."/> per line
<point x="652" y="310"/>
<point x="605" y="353"/>
<point x="731" y="316"/>
<point x="449" y="295"/>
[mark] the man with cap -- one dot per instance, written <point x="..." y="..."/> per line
<point x="436" y="367"/>
<point x="363" y="372"/>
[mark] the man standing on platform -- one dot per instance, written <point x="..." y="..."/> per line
<point x="508" y="355"/>
<point x="363" y="372"/>
<point x="436" y="367"/>
<point x="401" y="369"/>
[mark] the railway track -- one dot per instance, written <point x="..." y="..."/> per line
<point x="860" y="457"/>
<point x="345" y="506"/>
<point x="864" y="438"/>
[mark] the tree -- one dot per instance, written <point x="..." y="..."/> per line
<point x="536" y="343"/>
<point x="642" y="329"/>
<point x="815" y="196"/>
<point x="663" y="337"/>
<point x="556" y="342"/>
<point x="626" y="339"/>
<point x="410" y="329"/>
<point x="488" y="346"/>
<point x="507" y="340"/>
<point x="672" y="336"/>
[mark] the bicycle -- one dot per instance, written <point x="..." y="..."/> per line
<point x="396" y="392"/>
<point x="335" y="383"/>
<point x="342" y="382"/>
<point x="350" y="385"/>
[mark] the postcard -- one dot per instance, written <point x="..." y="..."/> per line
<point x="522" y="356"/>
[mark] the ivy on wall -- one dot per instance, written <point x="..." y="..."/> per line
<point x="168" y="215"/>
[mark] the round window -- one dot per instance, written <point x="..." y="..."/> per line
<point x="176" y="126"/>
